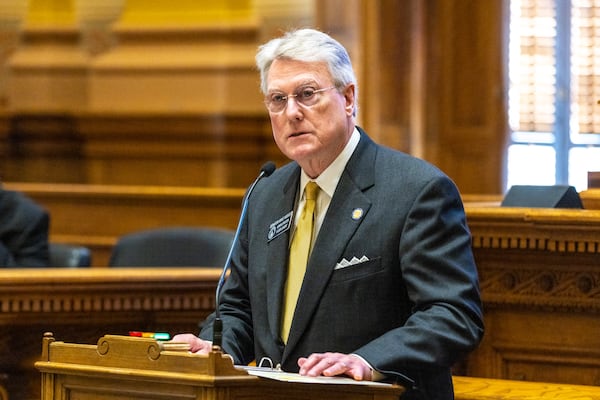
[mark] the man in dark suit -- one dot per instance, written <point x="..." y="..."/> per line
<point x="390" y="290"/>
<point x="23" y="231"/>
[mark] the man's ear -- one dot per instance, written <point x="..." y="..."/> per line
<point x="349" y="93"/>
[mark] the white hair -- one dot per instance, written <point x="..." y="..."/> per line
<point x="308" y="45"/>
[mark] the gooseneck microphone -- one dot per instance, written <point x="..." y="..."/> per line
<point x="266" y="170"/>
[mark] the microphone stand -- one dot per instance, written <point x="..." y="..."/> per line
<point x="266" y="170"/>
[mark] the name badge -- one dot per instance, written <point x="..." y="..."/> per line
<point x="280" y="226"/>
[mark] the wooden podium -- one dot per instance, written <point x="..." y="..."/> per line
<point x="122" y="367"/>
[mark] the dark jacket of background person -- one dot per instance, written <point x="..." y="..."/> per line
<point x="23" y="231"/>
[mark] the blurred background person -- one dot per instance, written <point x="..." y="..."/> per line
<point x="24" y="227"/>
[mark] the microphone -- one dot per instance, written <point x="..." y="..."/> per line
<point x="266" y="170"/>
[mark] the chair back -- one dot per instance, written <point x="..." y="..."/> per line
<point x="173" y="247"/>
<point x="69" y="256"/>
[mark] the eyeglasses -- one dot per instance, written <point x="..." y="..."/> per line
<point x="305" y="96"/>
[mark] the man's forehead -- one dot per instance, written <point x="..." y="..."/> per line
<point x="286" y="72"/>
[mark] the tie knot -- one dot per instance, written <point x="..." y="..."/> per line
<point x="311" y="190"/>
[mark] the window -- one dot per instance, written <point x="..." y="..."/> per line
<point x="554" y="73"/>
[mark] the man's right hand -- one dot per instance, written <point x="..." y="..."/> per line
<point x="197" y="345"/>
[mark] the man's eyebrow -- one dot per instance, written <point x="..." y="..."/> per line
<point x="309" y="82"/>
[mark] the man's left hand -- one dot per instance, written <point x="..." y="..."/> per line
<point x="331" y="364"/>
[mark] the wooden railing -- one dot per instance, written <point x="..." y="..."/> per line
<point x="82" y="305"/>
<point x="591" y="198"/>
<point x="468" y="388"/>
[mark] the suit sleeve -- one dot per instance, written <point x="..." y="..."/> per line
<point x="23" y="232"/>
<point x="33" y="251"/>
<point x="6" y="259"/>
<point x="440" y="277"/>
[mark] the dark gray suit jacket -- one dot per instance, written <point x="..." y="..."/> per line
<point x="23" y="231"/>
<point x="412" y="310"/>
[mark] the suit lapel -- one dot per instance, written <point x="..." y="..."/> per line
<point x="338" y="227"/>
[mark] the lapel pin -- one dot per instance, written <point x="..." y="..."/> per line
<point x="357" y="214"/>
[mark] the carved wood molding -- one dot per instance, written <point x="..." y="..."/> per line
<point x="510" y="285"/>
<point x="52" y="291"/>
<point x="537" y="258"/>
<point x="547" y="230"/>
<point x="99" y="301"/>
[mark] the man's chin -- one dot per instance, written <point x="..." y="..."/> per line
<point x="301" y="153"/>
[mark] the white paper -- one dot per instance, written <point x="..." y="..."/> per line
<point x="278" y="375"/>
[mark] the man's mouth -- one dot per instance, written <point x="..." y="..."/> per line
<point x="296" y="134"/>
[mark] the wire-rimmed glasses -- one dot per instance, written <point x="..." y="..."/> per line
<point x="306" y="96"/>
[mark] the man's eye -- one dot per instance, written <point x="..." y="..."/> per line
<point x="277" y="98"/>
<point x="307" y="93"/>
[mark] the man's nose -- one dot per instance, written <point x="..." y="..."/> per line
<point x="292" y="107"/>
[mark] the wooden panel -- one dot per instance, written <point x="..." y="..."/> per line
<point x="431" y="80"/>
<point x="594" y="179"/>
<point x="161" y="105"/>
<point x="84" y="304"/>
<point x="439" y="91"/>
<point x="540" y="281"/>
<point x="202" y="68"/>
<point x="48" y="70"/>
<point x="466" y="121"/>
<point x="136" y="149"/>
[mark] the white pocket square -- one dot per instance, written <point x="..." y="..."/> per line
<point x="345" y="263"/>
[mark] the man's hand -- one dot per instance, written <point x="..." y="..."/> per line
<point x="330" y="364"/>
<point x="197" y="345"/>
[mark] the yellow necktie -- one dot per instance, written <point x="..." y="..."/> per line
<point x="299" y="252"/>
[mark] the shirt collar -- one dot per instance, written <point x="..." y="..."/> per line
<point x="329" y="178"/>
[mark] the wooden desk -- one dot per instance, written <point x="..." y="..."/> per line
<point x="84" y="304"/>
<point x="590" y="199"/>
<point x="539" y="273"/>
